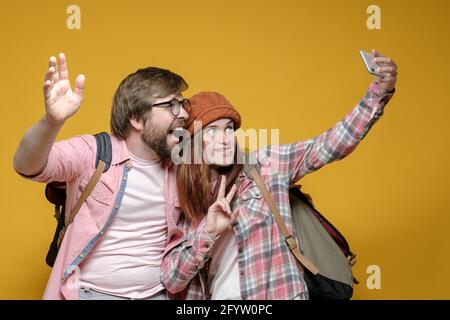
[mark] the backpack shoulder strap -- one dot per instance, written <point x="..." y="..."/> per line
<point x="104" y="150"/>
<point x="249" y="164"/>
<point x="102" y="164"/>
<point x="305" y="262"/>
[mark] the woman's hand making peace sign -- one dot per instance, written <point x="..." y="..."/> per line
<point x="219" y="215"/>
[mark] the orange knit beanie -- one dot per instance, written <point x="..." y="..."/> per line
<point x="208" y="107"/>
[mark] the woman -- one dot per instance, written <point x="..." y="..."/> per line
<point x="229" y="246"/>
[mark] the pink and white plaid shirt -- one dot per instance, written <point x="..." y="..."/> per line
<point x="267" y="268"/>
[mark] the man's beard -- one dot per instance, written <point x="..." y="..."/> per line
<point x="156" y="139"/>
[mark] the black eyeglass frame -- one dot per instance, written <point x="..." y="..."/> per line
<point x="173" y="105"/>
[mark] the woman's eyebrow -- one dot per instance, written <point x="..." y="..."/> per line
<point x="216" y="126"/>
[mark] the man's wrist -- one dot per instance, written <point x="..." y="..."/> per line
<point x="52" y="123"/>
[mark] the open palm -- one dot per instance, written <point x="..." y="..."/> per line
<point x="61" y="101"/>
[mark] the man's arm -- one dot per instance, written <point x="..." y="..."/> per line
<point x="60" y="104"/>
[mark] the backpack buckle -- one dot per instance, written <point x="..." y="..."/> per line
<point x="290" y="241"/>
<point x="61" y="236"/>
<point x="57" y="214"/>
<point x="351" y="259"/>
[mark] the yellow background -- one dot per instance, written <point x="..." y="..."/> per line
<point x="292" y="65"/>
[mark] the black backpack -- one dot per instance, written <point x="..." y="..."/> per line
<point x="55" y="192"/>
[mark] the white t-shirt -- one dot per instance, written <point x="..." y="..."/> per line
<point x="223" y="269"/>
<point x="126" y="261"/>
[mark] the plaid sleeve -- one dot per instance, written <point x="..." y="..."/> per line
<point x="298" y="159"/>
<point x="183" y="261"/>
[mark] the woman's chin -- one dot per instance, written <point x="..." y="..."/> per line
<point x="221" y="162"/>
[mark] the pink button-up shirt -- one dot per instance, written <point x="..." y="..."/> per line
<point x="73" y="161"/>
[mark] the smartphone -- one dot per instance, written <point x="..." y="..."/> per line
<point x="370" y="65"/>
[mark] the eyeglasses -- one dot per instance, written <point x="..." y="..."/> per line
<point x="175" y="106"/>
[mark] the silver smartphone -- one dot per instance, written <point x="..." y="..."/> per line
<point x="370" y="65"/>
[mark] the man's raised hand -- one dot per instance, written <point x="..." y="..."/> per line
<point x="61" y="102"/>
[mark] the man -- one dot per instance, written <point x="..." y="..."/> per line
<point x="114" y="246"/>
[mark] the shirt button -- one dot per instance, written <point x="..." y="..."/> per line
<point x="101" y="232"/>
<point x="116" y="206"/>
<point x="81" y="255"/>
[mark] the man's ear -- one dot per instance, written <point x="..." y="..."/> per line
<point x="137" y="124"/>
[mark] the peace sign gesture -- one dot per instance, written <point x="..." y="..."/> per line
<point x="219" y="215"/>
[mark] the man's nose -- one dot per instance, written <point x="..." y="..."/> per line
<point x="183" y="114"/>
